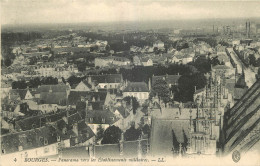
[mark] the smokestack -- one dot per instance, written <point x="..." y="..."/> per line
<point x="248" y="29"/>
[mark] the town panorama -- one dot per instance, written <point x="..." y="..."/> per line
<point x="130" y="91"/>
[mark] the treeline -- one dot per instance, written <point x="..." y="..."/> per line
<point x="190" y="77"/>
<point x="211" y="41"/>
<point x="34" y="83"/>
<point x="16" y="37"/>
<point x="9" y="39"/>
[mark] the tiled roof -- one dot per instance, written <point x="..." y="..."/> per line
<point x="98" y="115"/>
<point x="75" y="96"/>
<point x="74" y="118"/>
<point x="53" y="98"/>
<point x="31" y="123"/>
<point x="163" y="145"/>
<point x="122" y="111"/>
<point x="130" y="149"/>
<point x="75" y="152"/>
<point x="86" y="83"/>
<point x="199" y="90"/>
<point x="107" y="150"/>
<point x="85" y="132"/>
<point x="20" y="92"/>
<point x="222" y="67"/>
<point x="111" y="78"/>
<point x="54" y="88"/>
<point x="28" y="139"/>
<point x="170" y="79"/>
<point x="136" y="87"/>
<point x="239" y="92"/>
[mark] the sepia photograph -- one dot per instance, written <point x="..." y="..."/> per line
<point x="130" y="82"/>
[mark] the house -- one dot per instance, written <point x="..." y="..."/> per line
<point x="172" y="80"/>
<point x="93" y="100"/>
<point x="40" y="142"/>
<point x="223" y="70"/>
<point x="52" y="97"/>
<point x="125" y="116"/>
<point x="104" y="118"/>
<point x="84" y="86"/>
<point x="137" y="89"/>
<point x="122" y="150"/>
<point x="107" y="81"/>
<point x="220" y="49"/>
<point x="159" y="44"/>
<point x="111" y="60"/>
<point x="137" y="61"/>
<point x="147" y="61"/>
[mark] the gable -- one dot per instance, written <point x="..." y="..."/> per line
<point x="28" y="95"/>
<point x="83" y="87"/>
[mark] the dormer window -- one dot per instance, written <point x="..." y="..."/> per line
<point x="20" y="148"/>
<point x="45" y="141"/>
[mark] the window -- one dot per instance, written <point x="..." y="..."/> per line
<point x="3" y="151"/>
<point x="103" y="120"/>
<point x="45" y="141"/>
<point x="46" y="150"/>
<point x="58" y="138"/>
<point x="91" y="120"/>
<point x="20" y="148"/>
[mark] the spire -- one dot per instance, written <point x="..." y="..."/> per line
<point x="121" y="144"/>
<point x="139" y="150"/>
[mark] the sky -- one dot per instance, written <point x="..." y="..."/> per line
<point x="84" y="11"/>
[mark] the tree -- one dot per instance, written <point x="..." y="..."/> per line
<point x="132" y="134"/>
<point x="82" y="67"/>
<point x="100" y="132"/>
<point x="7" y="62"/>
<point x="112" y="135"/>
<point x="161" y="89"/>
<point x="187" y="85"/>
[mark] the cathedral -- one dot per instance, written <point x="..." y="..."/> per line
<point x="206" y="129"/>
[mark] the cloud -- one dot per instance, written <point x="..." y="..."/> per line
<point x="71" y="11"/>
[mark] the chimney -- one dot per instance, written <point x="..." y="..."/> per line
<point x="89" y="80"/>
<point x="248" y="29"/>
<point x="149" y="84"/>
<point x="75" y="129"/>
<point x="50" y="90"/>
<point x="125" y="112"/>
<point x="139" y="150"/>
